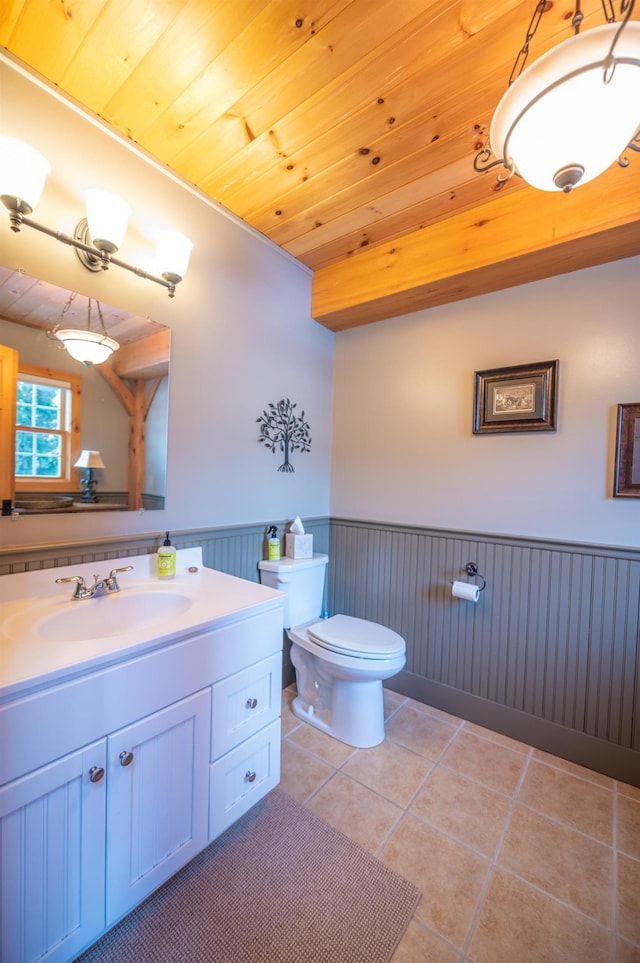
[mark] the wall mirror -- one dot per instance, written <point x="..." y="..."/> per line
<point x="626" y="482"/>
<point x="120" y="406"/>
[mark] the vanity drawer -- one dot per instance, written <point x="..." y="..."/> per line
<point x="244" y="703"/>
<point x="242" y="777"/>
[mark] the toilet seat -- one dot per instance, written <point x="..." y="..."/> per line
<point x="357" y="638"/>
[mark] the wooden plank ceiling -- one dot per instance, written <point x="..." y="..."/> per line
<point x="343" y="130"/>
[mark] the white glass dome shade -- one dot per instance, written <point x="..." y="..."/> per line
<point x="87" y="347"/>
<point x="23" y="171"/>
<point x="107" y="218"/>
<point x="565" y="119"/>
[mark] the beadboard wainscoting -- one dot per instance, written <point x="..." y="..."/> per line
<point x="550" y="654"/>
<point x="235" y="550"/>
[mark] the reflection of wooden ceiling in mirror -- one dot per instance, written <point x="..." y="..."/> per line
<point x="37" y="304"/>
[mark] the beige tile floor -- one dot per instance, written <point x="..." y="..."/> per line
<point x="521" y="857"/>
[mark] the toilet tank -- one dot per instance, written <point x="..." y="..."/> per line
<point x="303" y="581"/>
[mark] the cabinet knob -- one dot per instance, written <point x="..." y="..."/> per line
<point x="96" y="773"/>
<point x="126" y="758"/>
<point x="250" y="776"/>
<point x="251" y="703"/>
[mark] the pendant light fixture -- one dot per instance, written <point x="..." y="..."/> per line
<point x="84" y="345"/>
<point x="575" y="111"/>
<point x="97" y="238"/>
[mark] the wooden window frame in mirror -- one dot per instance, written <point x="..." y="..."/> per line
<point x="70" y="481"/>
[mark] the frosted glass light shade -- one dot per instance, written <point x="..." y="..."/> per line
<point x="560" y="115"/>
<point x="107" y="217"/>
<point x="23" y="171"/>
<point x="87" y="347"/>
<point x="173" y="251"/>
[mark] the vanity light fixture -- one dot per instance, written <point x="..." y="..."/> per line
<point x="97" y="238"/>
<point x="89" y="460"/>
<point x="566" y="118"/>
<point x="84" y="345"/>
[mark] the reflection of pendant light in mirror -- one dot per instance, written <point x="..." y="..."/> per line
<point x="84" y="345"/>
<point x="571" y="114"/>
<point x="87" y="347"/>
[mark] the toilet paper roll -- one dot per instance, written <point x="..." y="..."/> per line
<point x="465" y="590"/>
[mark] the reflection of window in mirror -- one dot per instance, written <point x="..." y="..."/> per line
<point x="47" y="429"/>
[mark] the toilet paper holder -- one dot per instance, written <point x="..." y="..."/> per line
<point x="472" y="571"/>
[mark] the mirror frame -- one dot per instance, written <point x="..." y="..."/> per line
<point x="627" y="447"/>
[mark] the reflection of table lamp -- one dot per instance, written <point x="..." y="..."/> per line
<point x="89" y="460"/>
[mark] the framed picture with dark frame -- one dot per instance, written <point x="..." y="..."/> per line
<point x="521" y="398"/>
<point x="626" y="479"/>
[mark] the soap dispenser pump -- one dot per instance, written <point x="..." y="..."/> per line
<point x="166" y="559"/>
<point x="274" y="544"/>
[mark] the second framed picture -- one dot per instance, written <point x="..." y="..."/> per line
<point x="521" y="398"/>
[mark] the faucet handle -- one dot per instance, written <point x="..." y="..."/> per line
<point x="81" y="588"/>
<point x="111" y="583"/>
<point x="125" y="568"/>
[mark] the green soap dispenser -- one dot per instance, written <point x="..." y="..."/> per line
<point x="274" y="544"/>
<point x="166" y="559"/>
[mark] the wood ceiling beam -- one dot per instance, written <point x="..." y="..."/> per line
<point x="523" y="236"/>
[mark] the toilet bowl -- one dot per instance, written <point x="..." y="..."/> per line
<point x="340" y="662"/>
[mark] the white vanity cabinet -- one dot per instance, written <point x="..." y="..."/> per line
<point x="116" y="772"/>
<point x="52" y="880"/>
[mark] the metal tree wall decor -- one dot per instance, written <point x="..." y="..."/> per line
<point x="280" y="427"/>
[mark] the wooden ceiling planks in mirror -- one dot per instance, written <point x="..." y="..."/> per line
<point x="37" y="304"/>
<point x="333" y="127"/>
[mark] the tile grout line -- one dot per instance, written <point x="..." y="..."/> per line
<point x="434" y="764"/>
<point x="493" y="860"/>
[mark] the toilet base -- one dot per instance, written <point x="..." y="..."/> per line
<point x="356" y="715"/>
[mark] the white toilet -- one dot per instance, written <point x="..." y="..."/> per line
<point x="340" y="662"/>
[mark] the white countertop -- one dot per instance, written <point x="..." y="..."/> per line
<point x="28" y="661"/>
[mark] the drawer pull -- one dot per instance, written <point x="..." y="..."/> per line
<point x="250" y="776"/>
<point x="251" y="703"/>
<point x="126" y="758"/>
<point x="96" y="773"/>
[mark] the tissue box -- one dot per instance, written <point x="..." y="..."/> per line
<point x="298" y="546"/>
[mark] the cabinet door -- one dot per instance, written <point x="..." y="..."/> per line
<point x="158" y="795"/>
<point x="52" y="825"/>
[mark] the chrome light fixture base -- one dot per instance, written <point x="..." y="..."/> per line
<point x="90" y="259"/>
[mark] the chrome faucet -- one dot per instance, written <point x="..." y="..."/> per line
<point x="100" y="586"/>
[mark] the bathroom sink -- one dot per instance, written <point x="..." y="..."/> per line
<point x="100" y="617"/>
